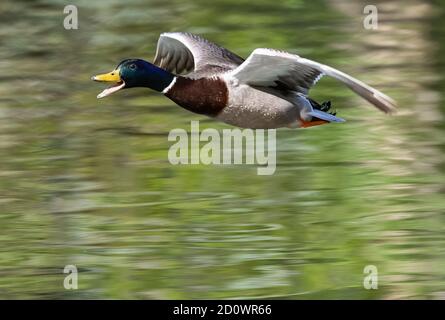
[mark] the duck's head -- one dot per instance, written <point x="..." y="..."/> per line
<point x="131" y="73"/>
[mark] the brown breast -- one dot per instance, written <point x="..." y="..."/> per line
<point x="203" y="96"/>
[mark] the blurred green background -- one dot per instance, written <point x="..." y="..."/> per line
<point x="87" y="182"/>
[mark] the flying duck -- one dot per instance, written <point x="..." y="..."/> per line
<point x="267" y="90"/>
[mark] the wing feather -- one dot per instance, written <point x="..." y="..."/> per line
<point x="264" y="67"/>
<point x="185" y="52"/>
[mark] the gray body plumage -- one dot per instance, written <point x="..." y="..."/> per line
<point x="251" y="108"/>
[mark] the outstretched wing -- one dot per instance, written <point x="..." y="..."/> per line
<point x="282" y="70"/>
<point x="180" y="52"/>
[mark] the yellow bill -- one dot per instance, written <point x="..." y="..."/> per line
<point x="113" y="76"/>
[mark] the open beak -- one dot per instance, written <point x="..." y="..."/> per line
<point x="113" y="76"/>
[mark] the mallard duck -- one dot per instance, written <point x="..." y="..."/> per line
<point x="267" y="90"/>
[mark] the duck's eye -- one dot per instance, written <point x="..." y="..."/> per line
<point x="132" y="66"/>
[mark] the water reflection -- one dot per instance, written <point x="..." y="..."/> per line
<point x="88" y="183"/>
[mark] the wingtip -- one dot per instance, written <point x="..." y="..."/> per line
<point x="391" y="108"/>
<point x="392" y="112"/>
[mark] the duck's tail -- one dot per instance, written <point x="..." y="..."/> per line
<point x="321" y="112"/>
<point x="321" y="115"/>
